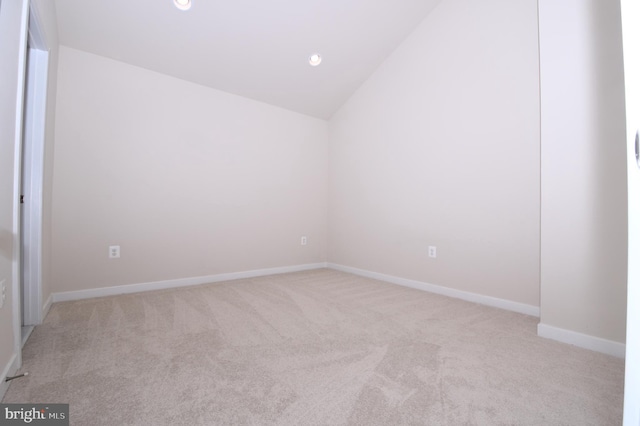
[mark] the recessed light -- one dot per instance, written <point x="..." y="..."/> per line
<point x="182" y="4"/>
<point x="315" y="59"/>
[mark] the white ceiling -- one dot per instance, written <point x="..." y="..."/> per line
<point x="254" y="48"/>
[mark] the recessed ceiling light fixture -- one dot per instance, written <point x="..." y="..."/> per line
<point x="315" y="59"/>
<point x="182" y="4"/>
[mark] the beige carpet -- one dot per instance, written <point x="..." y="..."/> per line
<point x="310" y="348"/>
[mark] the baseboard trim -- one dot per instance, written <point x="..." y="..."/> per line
<point x="444" y="291"/>
<point x="9" y="370"/>
<point x="580" y="340"/>
<point x="546" y="331"/>
<point x="181" y="282"/>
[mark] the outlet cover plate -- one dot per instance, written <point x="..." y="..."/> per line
<point x="114" y="252"/>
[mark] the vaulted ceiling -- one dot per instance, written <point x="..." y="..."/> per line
<point x="253" y="48"/>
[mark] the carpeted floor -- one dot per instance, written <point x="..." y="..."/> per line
<point x="310" y="348"/>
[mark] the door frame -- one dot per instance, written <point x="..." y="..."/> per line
<point x="31" y="28"/>
<point x="631" y="44"/>
<point x="32" y="173"/>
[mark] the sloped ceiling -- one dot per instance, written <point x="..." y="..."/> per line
<point x="253" y="48"/>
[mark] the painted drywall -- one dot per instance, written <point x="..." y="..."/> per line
<point x="47" y="15"/>
<point x="441" y="147"/>
<point x="13" y="26"/>
<point x="584" y="204"/>
<point x="189" y="181"/>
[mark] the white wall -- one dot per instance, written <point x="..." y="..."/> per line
<point x="189" y="181"/>
<point x="584" y="205"/>
<point x="441" y="147"/>
<point x="13" y="25"/>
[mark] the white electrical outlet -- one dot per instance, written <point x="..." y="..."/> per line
<point x="433" y="251"/>
<point x="3" y="292"/>
<point x="114" y="252"/>
<point x="303" y="241"/>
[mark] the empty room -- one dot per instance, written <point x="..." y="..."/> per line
<point x="318" y="212"/>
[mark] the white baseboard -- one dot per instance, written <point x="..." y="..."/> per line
<point x="181" y="282"/>
<point x="566" y="336"/>
<point x="585" y="341"/>
<point x="9" y="370"/>
<point x="445" y="291"/>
